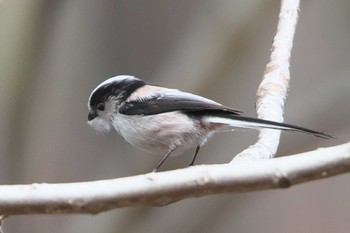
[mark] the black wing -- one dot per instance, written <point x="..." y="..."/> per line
<point x="168" y="102"/>
<point x="198" y="106"/>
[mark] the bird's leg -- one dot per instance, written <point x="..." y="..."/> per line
<point x="195" y="155"/>
<point x="163" y="160"/>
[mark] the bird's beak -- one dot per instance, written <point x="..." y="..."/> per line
<point x="92" y="115"/>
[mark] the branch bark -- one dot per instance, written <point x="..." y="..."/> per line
<point x="273" y="90"/>
<point x="167" y="187"/>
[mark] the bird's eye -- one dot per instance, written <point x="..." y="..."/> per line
<point x="101" y="107"/>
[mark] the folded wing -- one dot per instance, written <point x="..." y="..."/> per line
<point x="173" y="101"/>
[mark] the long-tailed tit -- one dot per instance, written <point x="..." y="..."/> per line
<point x="166" y="121"/>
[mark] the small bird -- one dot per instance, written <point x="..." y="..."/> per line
<point x="167" y="121"/>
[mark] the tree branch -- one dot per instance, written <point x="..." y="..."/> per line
<point x="273" y="90"/>
<point x="167" y="187"/>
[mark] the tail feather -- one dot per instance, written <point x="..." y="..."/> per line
<point x="256" y="123"/>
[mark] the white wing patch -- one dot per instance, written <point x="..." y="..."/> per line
<point x="173" y="93"/>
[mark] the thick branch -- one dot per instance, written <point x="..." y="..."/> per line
<point x="166" y="187"/>
<point x="273" y="90"/>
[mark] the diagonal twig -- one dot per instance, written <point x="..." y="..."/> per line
<point x="273" y="90"/>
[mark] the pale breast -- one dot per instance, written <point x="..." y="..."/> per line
<point x="161" y="132"/>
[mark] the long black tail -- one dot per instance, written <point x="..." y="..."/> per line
<point x="238" y="121"/>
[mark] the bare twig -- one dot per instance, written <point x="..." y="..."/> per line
<point x="166" y="187"/>
<point x="273" y="90"/>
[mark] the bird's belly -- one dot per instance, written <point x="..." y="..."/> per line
<point x="160" y="133"/>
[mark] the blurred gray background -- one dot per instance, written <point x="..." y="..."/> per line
<point x="54" y="53"/>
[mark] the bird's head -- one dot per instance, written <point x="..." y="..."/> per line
<point x="106" y="98"/>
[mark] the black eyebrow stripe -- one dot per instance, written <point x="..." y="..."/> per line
<point x="123" y="89"/>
